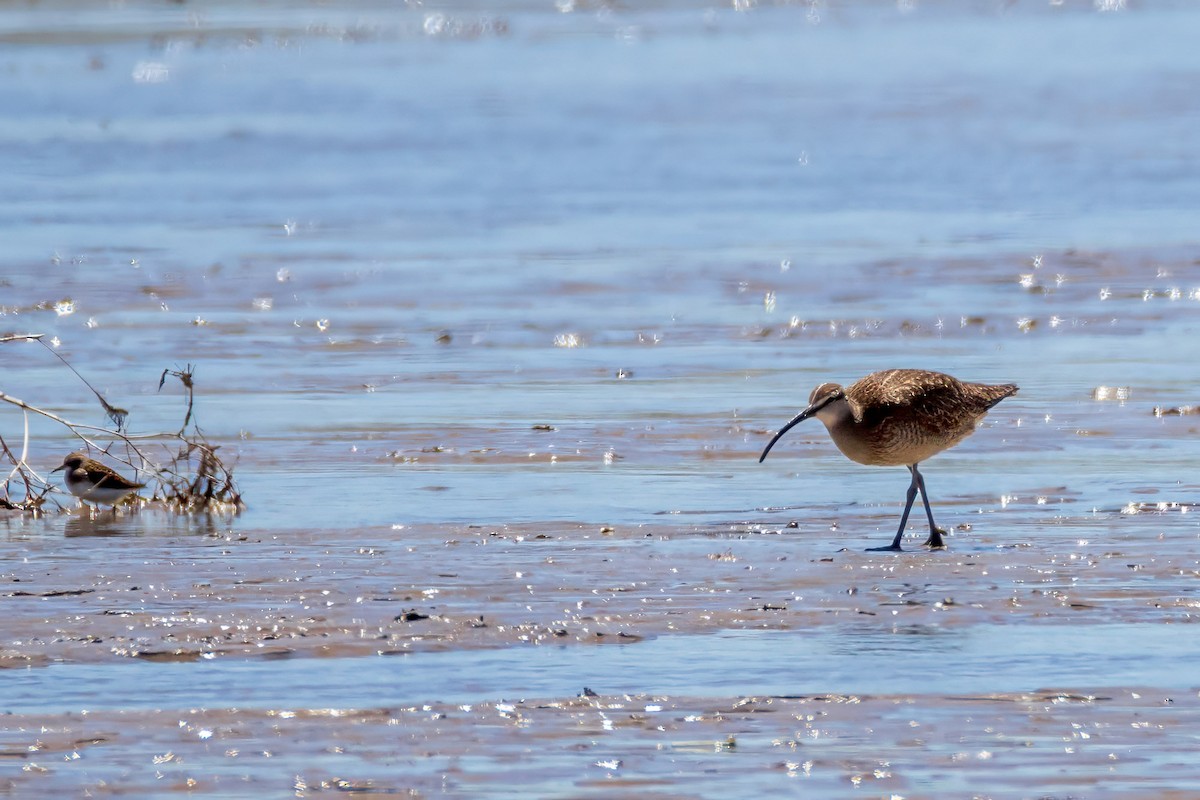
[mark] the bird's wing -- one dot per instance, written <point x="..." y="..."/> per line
<point x="903" y="389"/>
<point x="112" y="480"/>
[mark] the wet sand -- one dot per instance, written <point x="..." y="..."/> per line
<point x="1120" y="743"/>
<point x="369" y="591"/>
<point x="341" y="597"/>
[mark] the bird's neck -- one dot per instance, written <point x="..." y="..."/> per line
<point x="837" y="415"/>
<point x="840" y="420"/>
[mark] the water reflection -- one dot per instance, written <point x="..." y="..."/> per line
<point x="103" y="524"/>
<point x="858" y="639"/>
<point x="143" y="522"/>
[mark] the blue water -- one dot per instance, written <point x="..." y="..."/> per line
<point x="631" y="140"/>
<point x="858" y="660"/>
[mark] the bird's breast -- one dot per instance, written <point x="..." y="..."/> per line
<point x="892" y="443"/>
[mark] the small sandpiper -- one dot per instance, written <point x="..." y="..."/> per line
<point x="900" y="417"/>
<point x="89" y="480"/>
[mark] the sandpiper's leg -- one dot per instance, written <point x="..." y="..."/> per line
<point x="935" y="533"/>
<point x="908" y="504"/>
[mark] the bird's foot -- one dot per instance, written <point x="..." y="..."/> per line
<point x="894" y="547"/>
<point x="935" y="540"/>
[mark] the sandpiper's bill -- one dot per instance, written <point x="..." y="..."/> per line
<point x="89" y="480"/>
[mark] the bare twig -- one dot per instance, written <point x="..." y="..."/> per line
<point x="33" y="497"/>
<point x="185" y="376"/>
<point x="117" y="415"/>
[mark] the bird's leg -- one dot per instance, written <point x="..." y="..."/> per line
<point x="935" y="533"/>
<point x="908" y="504"/>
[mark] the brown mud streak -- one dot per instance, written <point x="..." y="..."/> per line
<point x="318" y="594"/>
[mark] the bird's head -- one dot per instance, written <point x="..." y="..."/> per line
<point x="821" y="404"/>
<point x="72" y="461"/>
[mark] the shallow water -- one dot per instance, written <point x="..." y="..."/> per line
<point x="862" y="659"/>
<point x="496" y="305"/>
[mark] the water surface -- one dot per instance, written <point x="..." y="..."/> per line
<point x="495" y="305"/>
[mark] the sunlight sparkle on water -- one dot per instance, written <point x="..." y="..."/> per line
<point x="1106" y="393"/>
<point x="150" y="72"/>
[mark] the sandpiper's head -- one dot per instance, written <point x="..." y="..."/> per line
<point x="72" y="461"/>
<point x="822" y="396"/>
<point x="823" y="404"/>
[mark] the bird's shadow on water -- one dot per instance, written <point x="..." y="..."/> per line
<point x="830" y="540"/>
<point x="858" y="639"/>
<point x="743" y="521"/>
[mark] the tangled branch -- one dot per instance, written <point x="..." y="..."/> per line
<point x="188" y="477"/>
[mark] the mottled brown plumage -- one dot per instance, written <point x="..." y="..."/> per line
<point x="900" y="417"/>
<point x="97" y="483"/>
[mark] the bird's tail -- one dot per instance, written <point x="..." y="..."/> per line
<point x="994" y="394"/>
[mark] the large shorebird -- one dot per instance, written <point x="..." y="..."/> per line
<point x="90" y="480"/>
<point x="900" y="417"/>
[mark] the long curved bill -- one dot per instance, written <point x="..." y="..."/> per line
<point x="803" y="415"/>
